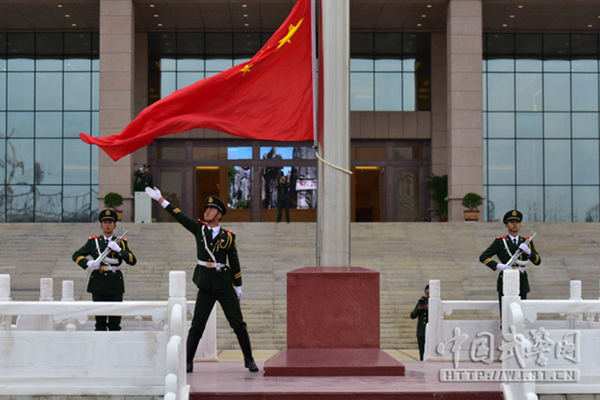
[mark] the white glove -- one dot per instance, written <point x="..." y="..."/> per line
<point x="503" y="267"/>
<point x="238" y="290"/>
<point x="93" y="264"/>
<point x="141" y="169"/>
<point x="112" y="268"/>
<point x="525" y="248"/>
<point x="114" y="246"/>
<point x="521" y="269"/>
<point x="154" y="193"/>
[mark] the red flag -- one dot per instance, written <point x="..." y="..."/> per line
<point x="270" y="97"/>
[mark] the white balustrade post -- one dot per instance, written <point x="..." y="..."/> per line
<point x="4" y="296"/>
<point x="67" y="295"/>
<point x="4" y="287"/>
<point x="433" y="331"/>
<point x="46" y="294"/>
<point x="575" y="294"/>
<point x="512" y="323"/>
<point x="67" y="291"/>
<point x="177" y="323"/>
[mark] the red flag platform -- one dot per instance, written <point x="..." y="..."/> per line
<point x="333" y="325"/>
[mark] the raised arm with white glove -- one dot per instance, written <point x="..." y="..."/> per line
<point x="525" y="249"/>
<point x="502" y="267"/>
<point x="155" y="194"/>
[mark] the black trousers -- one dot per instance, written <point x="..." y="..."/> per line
<point x="103" y="322"/>
<point x="281" y="204"/>
<point x="205" y="302"/>
<point x="421" y="343"/>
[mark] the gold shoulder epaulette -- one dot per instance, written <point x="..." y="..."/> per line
<point x="124" y="239"/>
<point x="93" y="237"/>
<point x="501" y="237"/>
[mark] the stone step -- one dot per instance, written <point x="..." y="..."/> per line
<point x="406" y="255"/>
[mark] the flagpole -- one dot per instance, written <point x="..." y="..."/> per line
<point x="315" y="88"/>
<point x="333" y="216"/>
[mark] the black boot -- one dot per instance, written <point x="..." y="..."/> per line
<point x="192" y="346"/>
<point x="244" y="341"/>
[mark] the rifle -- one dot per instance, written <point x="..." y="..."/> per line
<point x="102" y="256"/>
<point x="518" y="253"/>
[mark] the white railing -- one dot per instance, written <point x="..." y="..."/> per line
<point x="561" y="351"/>
<point x="80" y="362"/>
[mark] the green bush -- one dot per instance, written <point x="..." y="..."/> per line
<point x="438" y="185"/>
<point x="472" y="201"/>
<point x="113" y="200"/>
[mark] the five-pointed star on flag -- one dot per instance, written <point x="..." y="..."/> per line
<point x="292" y="30"/>
<point x="246" y="68"/>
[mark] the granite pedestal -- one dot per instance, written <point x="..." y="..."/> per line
<point x="333" y="325"/>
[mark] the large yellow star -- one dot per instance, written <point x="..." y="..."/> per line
<point x="292" y="30"/>
<point x="246" y="68"/>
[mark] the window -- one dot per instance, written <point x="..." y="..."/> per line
<point x="48" y="94"/>
<point x="541" y="133"/>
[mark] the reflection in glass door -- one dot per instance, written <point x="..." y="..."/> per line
<point x="171" y="184"/>
<point x="367" y="194"/>
<point x="231" y="184"/>
<point x="406" y="196"/>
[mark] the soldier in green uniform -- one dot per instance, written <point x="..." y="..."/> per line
<point x="143" y="179"/>
<point x="106" y="280"/>
<point x="421" y="311"/>
<point x="283" y="198"/>
<point x="504" y="247"/>
<point x="216" y="280"/>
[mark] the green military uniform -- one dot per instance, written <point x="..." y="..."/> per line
<point x="423" y="317"/>
<point x="214" y="277"/>
<point x="504" y="248"/>
<point x="104" y="284"/>
<point x="283" y="200"/>
<point x="143" y="179"/>
<point x="216" y="274"/>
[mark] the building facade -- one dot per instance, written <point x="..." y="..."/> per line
<point x="501" y="97"/>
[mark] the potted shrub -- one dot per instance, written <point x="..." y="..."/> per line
<point x="438" y="185"/>
<point x="113" y="200"/>
<point x="472" y="201"/>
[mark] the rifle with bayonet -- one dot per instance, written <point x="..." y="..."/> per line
<point x="519" y="252"/>
<point x="104" y="254"/>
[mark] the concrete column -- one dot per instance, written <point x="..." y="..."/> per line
<point x="140" y="157"/>
<point x="333" y="218"/>
<point x="117" y="28"/>
<point x="439" y="105"/>
<point x="465" y="113"/>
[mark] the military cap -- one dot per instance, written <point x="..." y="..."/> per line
<point x="513" y="214"/>
<point x="107" y="214"/>
<point x="145" y="166"/>
<point x="214" y="201"/>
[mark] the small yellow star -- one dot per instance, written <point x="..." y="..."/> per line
<point x="292" y="30"/>
<point x="246" y="68"/>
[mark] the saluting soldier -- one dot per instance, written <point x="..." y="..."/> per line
<point x="143" y="178"/>
<point x="504" y="247"/>
<point x="216" y="279"/>
<point x="106" y="279"/>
